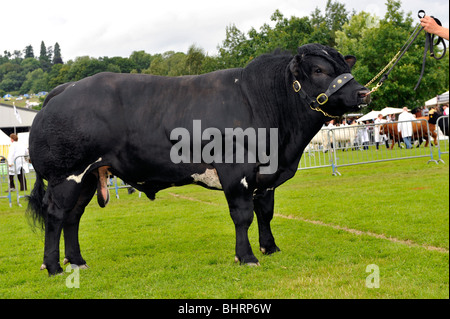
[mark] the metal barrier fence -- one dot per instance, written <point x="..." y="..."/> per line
<point x="369" y="143"/>
<point x="30" y="178"/>
<point x="4" y="180"/>
<point x="27" y="178"/>
<point x="442" y="127"/>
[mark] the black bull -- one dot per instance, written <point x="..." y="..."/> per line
<point x="122" y="124"/>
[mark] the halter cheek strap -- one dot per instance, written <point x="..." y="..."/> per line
<point x="322" y="98"/>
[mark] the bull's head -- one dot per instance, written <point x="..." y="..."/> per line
<point x="322" y="77"/>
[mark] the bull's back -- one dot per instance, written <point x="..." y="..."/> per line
<point x="111" y="115"/>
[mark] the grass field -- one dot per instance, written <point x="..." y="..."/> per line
<point x="394" y="215"/>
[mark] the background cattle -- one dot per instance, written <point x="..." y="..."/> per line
<point x="343" y="136"/>
<point x="420" y="132"/>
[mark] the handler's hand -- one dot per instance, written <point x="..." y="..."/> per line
<point x="431" y="26"/>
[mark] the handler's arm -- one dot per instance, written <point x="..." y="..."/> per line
<point x="431" y="26"/>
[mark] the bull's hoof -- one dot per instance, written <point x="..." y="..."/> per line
<point x="250" y="261"/>
<point x="81" y="265"/>
<point x="269" y="251"/>
<point x="52" y="271"/>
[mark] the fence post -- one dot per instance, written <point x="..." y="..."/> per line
<point x="429" y="144"/>
<point x="441" y="141"/>
<point x="333" y="149"/>
<point x="24" y="180"/>
<point x="5" y="170"/>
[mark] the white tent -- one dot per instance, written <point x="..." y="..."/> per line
<point x="440" y="99"/>
<point x="391" y="110"/>
<point x="374" y="114"/>
<point x="369" y="116"/>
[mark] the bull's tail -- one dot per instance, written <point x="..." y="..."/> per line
<point x="36" y="209"/>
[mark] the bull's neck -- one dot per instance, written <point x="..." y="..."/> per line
<point x="303" y="123"/>
<point x="274" y="103"/>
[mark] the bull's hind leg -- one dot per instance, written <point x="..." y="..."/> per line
<point x="263" y="202"/>
<point x="61" y="199"/>
<point x="72" y="222"/>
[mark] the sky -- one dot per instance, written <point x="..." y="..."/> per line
<point x="111" y="28"/>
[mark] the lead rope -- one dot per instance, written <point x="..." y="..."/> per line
<point x="428" y="44"/>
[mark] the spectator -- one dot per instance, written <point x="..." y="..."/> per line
<point x="445" y="107"/>
<point x="405" y="128"/>
<point x="380" y="137"/>
<point x="17" y="164"/>
<point x="363" y="136"/>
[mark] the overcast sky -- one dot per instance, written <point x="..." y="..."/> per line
<point x="117" y="28"/>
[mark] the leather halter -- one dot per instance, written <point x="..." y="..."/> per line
<point x="322" y="98"/>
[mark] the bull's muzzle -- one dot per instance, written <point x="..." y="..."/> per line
<point x="363" y="98"/>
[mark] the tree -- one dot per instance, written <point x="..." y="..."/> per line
<point x="335" y="16"/>
<point x="325" y="27"/>
<point x="57" y="59"/>
<point x="43" y="53"/>
<point x="233" y="51"/>
<point x="28" y="51"/>
<point x="58" y="75"/>
<point x="35" y="81"/>
<point x="194" y="60"/>
<point x="29" y="64"/>
<point x="141" y="60"/>
<point x="44" y="57"/>
<point x="158" y="66"/>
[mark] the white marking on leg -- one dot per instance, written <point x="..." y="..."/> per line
<point x="78" y="178"/>
<point x="209" y="178"/>
<point x="244" y="182"/>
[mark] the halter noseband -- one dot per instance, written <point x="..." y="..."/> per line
<point x="322" y="98"/>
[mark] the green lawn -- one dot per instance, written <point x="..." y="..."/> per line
<point x="394" y="215"/>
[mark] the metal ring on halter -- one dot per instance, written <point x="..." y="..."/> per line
<point x="297" y="86"/>
<point x="320" y="96"/>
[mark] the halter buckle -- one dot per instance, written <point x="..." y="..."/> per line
<point x="297" y="86"/>
<point x="320" y="96"/>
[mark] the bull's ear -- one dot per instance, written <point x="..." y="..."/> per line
<point x="351" y="60"/>
<point x="294" y="65"/>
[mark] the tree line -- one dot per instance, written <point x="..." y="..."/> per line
<point x="373" y="40"/>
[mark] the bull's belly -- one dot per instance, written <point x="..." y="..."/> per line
<point x="151" y="183"/>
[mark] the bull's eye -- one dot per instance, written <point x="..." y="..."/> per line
<point x="318" y="71"/>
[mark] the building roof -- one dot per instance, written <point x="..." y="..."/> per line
<point x="8" y="118"/>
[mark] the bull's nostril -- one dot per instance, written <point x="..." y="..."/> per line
<point x="364" y="95"/>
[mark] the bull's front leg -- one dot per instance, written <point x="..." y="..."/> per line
<point x="263" y="204"/>
<point x="240" y="204"/>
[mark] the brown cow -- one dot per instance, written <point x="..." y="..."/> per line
<point x="420" y="131"/>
